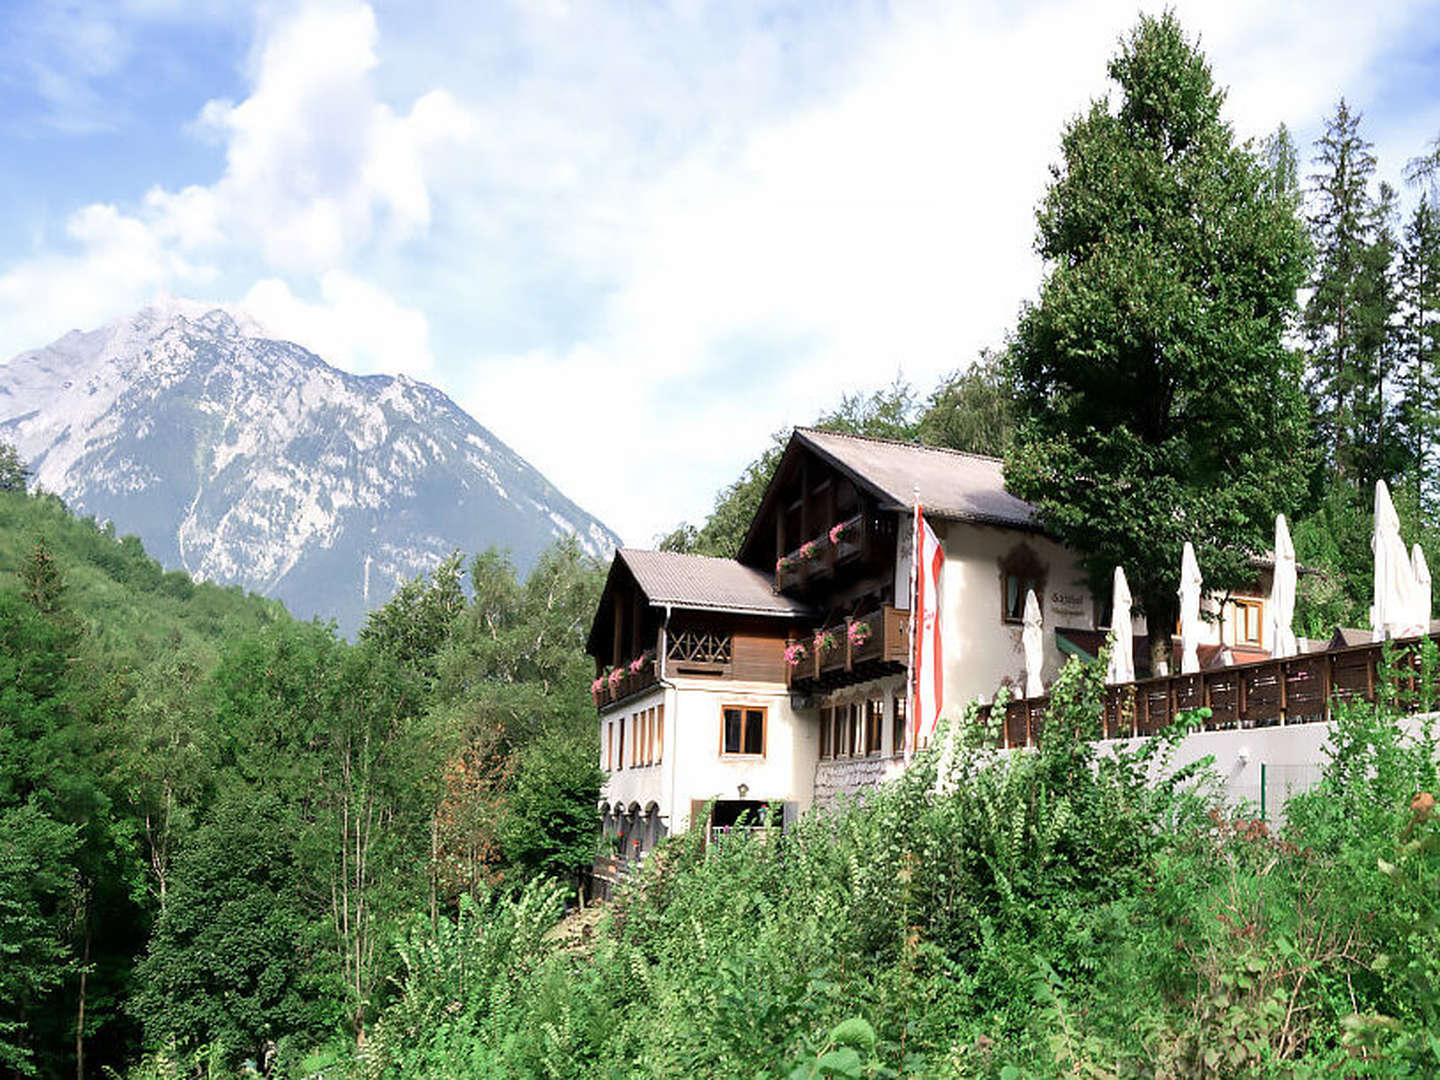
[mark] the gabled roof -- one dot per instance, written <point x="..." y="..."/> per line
<point x="708" y="584"/>
<point x="950" y="483"/>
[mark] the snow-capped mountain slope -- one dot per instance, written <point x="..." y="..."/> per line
<point x="250" y="461"/>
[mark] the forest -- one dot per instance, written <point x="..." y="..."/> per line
<point x="232" y="842"/>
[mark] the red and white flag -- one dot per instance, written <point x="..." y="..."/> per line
<point x="928" y="669"/>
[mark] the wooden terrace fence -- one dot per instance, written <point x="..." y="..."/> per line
<point x="1296" y="690"/>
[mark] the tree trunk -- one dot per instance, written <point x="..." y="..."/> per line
<point x="80" y="1009"/>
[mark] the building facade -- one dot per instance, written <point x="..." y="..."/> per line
<point x="778" y="678"/>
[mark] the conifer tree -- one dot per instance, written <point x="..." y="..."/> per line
<point x="1341" y="222"/>
<point x="1419" y="348"/>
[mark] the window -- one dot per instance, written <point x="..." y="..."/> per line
<point x="1248" y="614"/>
<point x="874" y="724"/>
<point x="825" y="732"/>
<point x="620" y="758"/>
<point x="659" y="733"/>
<point x="898" y="735"/>
<point x="742" y="730"/>
<point x="847" y="739"/>
<point x="610" y="746"/>
<point x="1020" y="571"/>
<point x="837" y="730"/>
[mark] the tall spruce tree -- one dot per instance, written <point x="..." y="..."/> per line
<point x="1377" y="450"/>
<point x="1419" y="350"/>
<point x="1341" y="222"/>
<point x="1158" y="403"/>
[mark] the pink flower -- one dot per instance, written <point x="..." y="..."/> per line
<point x="636" y="665"/>
<point x="616" y="674"/>
<point x="597" y="685"/>
<point x="837" y="531"/>
<point x="794" y="653"/>
<point x="859" y="633"/>
<point x="807" y="550"/>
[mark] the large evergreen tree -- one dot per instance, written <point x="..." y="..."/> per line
<point x="1158" y="402"/>
<point x="1342" y="221"/>
<point x="1419" y="348"/>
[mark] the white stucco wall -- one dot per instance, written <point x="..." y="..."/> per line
<point x="981" y="649"/>
<point x="693" y="767"/>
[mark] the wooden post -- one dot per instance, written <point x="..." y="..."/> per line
<point x="1242" y="702"/>
<point x="849" y="648"/>
<point x="1284" y="701"/>
<point x="1327" y="681"/>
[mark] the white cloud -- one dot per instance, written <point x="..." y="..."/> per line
<point x="357" y="326"/>
<point x="319" y="175"/>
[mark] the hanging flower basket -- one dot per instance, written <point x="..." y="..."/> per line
<point x="824" y="641"/>
<point x="794" y="653"/>
<point x="598" y="685"/>
<point x="839" y="532"/>
<point x="638" y="664"/>
<point x="858" y="633"/>
<point x="808" y="551"/>
<point x="615" y="677"/>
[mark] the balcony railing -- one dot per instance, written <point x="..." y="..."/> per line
<point x="629" y="682"/>
<point x="1296" y="690"/>
<point x="700" y="652"/>
<point x="821" y="557"/>
<point x="854" y="649"/>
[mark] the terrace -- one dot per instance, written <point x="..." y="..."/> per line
<point x="862" y="647"/>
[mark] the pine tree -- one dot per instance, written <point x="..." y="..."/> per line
<point x="1340" y="226"/>
<point x="1378" y="450"/>
<point x="1419" y="349"/>
<point x="42" y="583"/>
<point x="14" y="474"/>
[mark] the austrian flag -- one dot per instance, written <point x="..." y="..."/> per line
<point x="928" y="668"/>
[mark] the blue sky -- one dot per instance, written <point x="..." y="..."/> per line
<point x="632" y="239"/>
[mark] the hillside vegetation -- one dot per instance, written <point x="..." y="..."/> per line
<point x="214" y="819"/>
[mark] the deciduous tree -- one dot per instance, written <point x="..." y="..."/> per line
<point x="1158" y="401"/>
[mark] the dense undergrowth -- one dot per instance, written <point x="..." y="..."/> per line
<point x="1057" y="913"/>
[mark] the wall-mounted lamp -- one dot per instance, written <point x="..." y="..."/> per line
<point x="1243" y="755"/>
<point x="744" y="790"/>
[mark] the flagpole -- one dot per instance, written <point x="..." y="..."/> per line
<point x="912" y="715"/>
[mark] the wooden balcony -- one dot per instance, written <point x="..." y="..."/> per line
<point x="629" y="682"/>
<point x="820" y="559"/>
<point x="1296" y="690"/>
<point x="885" y="646"/>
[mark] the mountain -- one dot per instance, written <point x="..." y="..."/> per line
<point x="248" y="460"/>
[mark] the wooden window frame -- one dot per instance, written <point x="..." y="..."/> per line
<point x="1242" y="606"/>
<point x="745" y="710"/>
<point x="660" y="733"/>
<point x="825" y="752"/>
<point x="899" y="729"/>
<point x="1023" y="564"/>
<point x="620" y="759"/>
<point x="609" y="745"/>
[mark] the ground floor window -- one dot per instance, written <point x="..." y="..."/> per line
<point x="742" y="730"/>
<point x="899" y="729"/>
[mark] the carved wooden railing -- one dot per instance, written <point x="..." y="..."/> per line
<point x="854" y="542"/>
<point x="887" y="640"/>
<point x="629" y="682"/>
<point x="1265" y="693"/>
<point x="700" y="652"/>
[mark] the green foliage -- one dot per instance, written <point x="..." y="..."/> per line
<point x="14" y="473"/>
<point x="233" y="963"/>
<point x="971" y="410"/>
<point x="1159" y="402"/>
<point x="549" y="827"/>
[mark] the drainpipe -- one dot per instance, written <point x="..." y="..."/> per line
<point x="673" y="710"/>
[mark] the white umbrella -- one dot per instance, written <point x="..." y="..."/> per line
<point x="1420" y="575"/>
<point x="1391" y="614"/>
<point x="1033" y="638"/>
<point x="1190" y="583"/>
<point x="1282" y="594"/>
<point x="1122" y="649"/>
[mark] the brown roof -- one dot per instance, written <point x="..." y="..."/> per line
<point x="950" y="483"/>
<point x="708" y="584"/>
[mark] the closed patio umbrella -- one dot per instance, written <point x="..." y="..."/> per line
<point x="1122" y="648"/>
<point x="1420" y="575"/>
<point x="1190" y="583"/>
<point x="1033" y="638"/>
<point x="1393" y="612"/>
<point x="1282" y="593"/>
